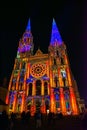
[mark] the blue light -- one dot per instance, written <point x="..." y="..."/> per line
<point x="28" y="25"/>
<point x="45" y="77"/>
<point x="29" y="80"/>
<point x="57" y="96"/>
<point x="25" y="43"/>
<point x="67" y="105"/>
<point x="55" y="36"/>
<point x="27" y="34"/>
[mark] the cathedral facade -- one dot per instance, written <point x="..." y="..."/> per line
<point x="42" y="81"/>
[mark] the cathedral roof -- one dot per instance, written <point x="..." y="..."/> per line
<point x="55" y="35"/>
<point x="38" y="52"/>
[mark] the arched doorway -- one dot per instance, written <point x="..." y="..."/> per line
<point x="38" y="94"/>
<point x="38" y="104"/>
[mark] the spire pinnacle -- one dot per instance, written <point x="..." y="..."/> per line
<point x="26" y="42"/>
<point x="28" y="26"/>
<point x="55" y="35"/>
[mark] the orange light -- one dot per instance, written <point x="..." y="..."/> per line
<point x="52" y="107"/>
<point x="42" y="88"/>
<point x="33" y="108"/>
<point x="17" y="81"/>
<point x="34" y="88"/>
<point x="60" y="78"/>
<point x="43" y="107"/>
<point x="68" y="75"/>
<point x="66" y="61"/>
<point x="73" y="101"/>
<point x="28" y="70"/>
<point x="23" y="100"/>
<point x="47" y="63"/>
<point x="14" y="103"/>
<point x="62" y="101"/>
<point x="51" y="78"/>
<point x="24" y="82"/>
<point x="27" y="89"/>
<point x="48" y="88"/>
<point x="50" y="62"/>
<point x="7" y="98"/>
<point x="10" y="82"/>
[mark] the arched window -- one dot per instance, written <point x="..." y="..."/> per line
<point x="63" y="73"/>
<point x="21" y="84"/>
<point x="38" y="87"/>
<point x="19" y="102"/>
<point x="57" y="96"/>
<point x="62" y="61"/>
<point x="30" y="89"/>
<point x="66" y="95"/>
<point x="67" y="105"/>
<point x="45" y="88"/>
<point x="57" y="104"/>
<point x="56" y="81"/>
<point x="47" y="104"/>
<point x="23" y="65"/>
<point x="64" y="81"/>
<point x="54" y="61"/>
<point x="17" y="65"/>
<point x="57" y="53"/>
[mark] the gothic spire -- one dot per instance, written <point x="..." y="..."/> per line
<point x="28" y="28"/>
<point x="26" y="42"/>
<point x="55" y="35"/>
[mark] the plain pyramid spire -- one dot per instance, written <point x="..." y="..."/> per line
<point x="55" y="35"/>
<point x="28" y="25"/>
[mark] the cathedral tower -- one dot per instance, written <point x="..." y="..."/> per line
<point x="42" y="81"/>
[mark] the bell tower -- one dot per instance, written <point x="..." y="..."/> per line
<point x="61" y="80"/>
<point x="26" y="42"/>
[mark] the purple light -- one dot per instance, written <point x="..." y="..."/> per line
<point x="55" y="36"/>
<point x="24" y="48"/>
<point x="25" y="42"/>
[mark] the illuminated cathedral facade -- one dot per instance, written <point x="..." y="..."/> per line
<point x="42" y="81"/>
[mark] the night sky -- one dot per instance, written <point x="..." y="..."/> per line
<point x="71" y="19"/>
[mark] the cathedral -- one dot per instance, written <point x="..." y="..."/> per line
<point x="42" y="81"/>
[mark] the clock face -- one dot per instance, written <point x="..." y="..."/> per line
<point x="38" y="70"/>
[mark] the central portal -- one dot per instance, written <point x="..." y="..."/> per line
<point x="38" y="104"/>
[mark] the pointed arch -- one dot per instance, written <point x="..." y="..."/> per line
<point x="30" y="89"/>
<point x="45" y="88"/>
<point x="38" y="87"/>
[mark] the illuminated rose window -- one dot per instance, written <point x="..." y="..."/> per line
<point x="38" y="70"/>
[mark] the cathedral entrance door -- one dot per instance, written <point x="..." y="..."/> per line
<point x="38" y="104"/>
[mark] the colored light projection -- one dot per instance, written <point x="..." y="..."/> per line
<point x="25" y="44"/>
<point x="40" y="82"/>
<point x="55" y="35"/>
<point x="38" y="70"/>
<point x="12" y="98"/>
<point x="67" y="99"/>
<point x="19" y="102"/>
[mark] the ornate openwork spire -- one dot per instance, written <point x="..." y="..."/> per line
<point x="55" y="35"/>
<point x="26" y="42"/>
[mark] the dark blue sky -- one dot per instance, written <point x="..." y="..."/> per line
<point x="70" y="17"/>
